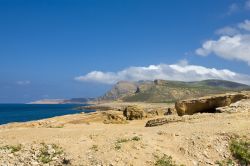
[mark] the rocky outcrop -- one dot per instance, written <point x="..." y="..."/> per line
<point x="239" y="106"/>
<point x="169" y="111"/>
<point x="162" y="121"/>
<point x="114" y="117"/>
<point x="134" y="112"/>
<point x="207" y="104"/>
<point x="119" y="90"/>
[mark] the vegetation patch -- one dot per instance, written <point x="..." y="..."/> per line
<point x="165" y="160"/>
<point x="124" y="140"/>
<point x="58" y="126"/>
<point x="94" y="148"/>
<point x="48" y="152"/>
<point x="12" y="148"/>
<point x="240" y="153"/>
<point x="240" y="150"/>
<point x="118" y="146"/>
<point x="227" y="162"/>
<point x="136" y="138"/>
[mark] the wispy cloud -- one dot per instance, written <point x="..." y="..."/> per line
<point x="23" y="82"/>
<point x="245" y="25"/>
<point x="181" y="71"/>
<point x="234" y="44"/>
<point x="233" y="8"/>
<point x="247" y="5"/>
<point x="227" y="31"/>
<point x="238" y="7"/>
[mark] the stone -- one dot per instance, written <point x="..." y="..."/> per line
<point x="114" y="117"/>
<point x="34" y="163"/>
<point x="134" y="112"/>
<point x="207" y="104"/>
<point x="169" y="111"/>
<point x="239" y="106"/>
<point x="161" y="121"/>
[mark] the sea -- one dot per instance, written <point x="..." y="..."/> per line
<point x="28" y="112"/>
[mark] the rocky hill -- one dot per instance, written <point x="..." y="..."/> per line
<point x="168" y="91"/>
<point x="63" y="101"/>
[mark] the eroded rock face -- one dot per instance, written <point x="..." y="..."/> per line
<point x="114" y="117"/>
<point x="239" y="106"/>
<point x="162" y="121"/>
<point x="133" y="112"/>
<point x="207" y="104"/>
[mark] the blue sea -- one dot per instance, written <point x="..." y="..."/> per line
<point x="27" y="112"/>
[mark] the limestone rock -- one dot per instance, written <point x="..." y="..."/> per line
<point x="207" y="104"/>
<point x="239" y="106"/>
<point x="134" y="112"/>
<point x="114" y="117"/>
<point x="162" y="121"/>
<point x="169" y="111"/>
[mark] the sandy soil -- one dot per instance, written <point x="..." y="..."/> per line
<point x="201" y="139"/>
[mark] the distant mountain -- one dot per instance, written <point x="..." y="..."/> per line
<point x="63" y="101"/>
<point x="168" y="91"/>
<point x="120" y="90"/>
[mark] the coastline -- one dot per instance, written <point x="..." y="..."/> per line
<point x="86" y="139"/>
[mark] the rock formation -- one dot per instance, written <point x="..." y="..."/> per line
<point x="114" y="117"/>
<point x="133" y="112"/>
<point x="162" y="121"/>
<point x="207" y="104"/>
<point x="239" y="106"/>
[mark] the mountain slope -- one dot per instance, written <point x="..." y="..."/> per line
<point x="169" y="91"/>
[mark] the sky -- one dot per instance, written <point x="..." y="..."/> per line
<point x="57" y="49"/>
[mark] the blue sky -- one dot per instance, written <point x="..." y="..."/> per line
<point x="74" y="48"/>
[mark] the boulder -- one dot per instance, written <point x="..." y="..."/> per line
<point x="207" y="104"/>
<point x="162" y="121"/>
<point x="133" y="112"/>
<point x="169" y="111"/>
<point x="114" y="117"/>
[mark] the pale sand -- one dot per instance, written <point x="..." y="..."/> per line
<point x="202" y="139"/>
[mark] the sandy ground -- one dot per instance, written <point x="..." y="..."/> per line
<point x="201" y="139"/>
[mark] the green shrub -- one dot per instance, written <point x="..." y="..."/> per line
<point x="240" y="150"/>
<point x="45" y="156"/>
<point x="227" y="162"/>
<point x="94" y="147"/>
<point x="122" y="140"/>
<point x="136" y="138"/>
<point x="165" y="161"/>
<point x="12" y="148"/>
<point x="118" y="146"/>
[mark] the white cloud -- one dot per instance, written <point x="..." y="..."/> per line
<point x="235" y="47"/>
<point x="24" y="82"/>
<point x="245" y="25"/>
<point x="181" y="71"/>
<point x="227" y="31"/>
<point x="234" y="44"/>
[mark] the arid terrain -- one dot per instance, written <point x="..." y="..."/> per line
<point x="107" y="138"/>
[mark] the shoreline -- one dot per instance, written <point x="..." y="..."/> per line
<point x="89" y="139"/>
